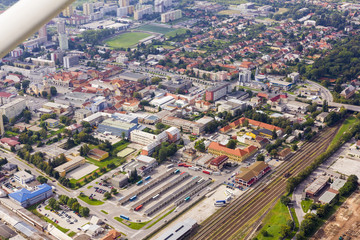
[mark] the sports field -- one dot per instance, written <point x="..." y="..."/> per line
<point x="155" y="29"/>
<point x="125" y="152"/>
<point x="127" y="39"/>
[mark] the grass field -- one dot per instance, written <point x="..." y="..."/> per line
<point x="125" y="152"/>
<point x="229" y="12"/>
<point x="90" y="201"/>
<point x="71" y="234"/>
<point x="177" y="31"/>
<point x="127" y="39"/>
<point x="346" y="125"/>
<point x="305" y="205"/>
<point x="155" y="29"/>
<point x="132" y="225"/>
<point x="273" y="221"/>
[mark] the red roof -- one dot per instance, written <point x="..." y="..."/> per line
<point x="236" y="152"/>
<point x="219" y="160"/>
<point x="5" y="94"/>
<point x="9" y="141"/>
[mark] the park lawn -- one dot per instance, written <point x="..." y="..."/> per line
<point x="127" y="39"/>
<point x="71" y="234"/>
<point x="305" y="205"/>
<point x="133" y="225"/>
<point x="274" y="220"/>
<point x="33" y="209"/>
<point x="229" y="12"/>
<point x="177" y="31"/>
<point x="347" y="124"/>
<point x="90" y="201"/>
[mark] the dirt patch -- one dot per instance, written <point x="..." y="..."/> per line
<point x="345" y="222"/>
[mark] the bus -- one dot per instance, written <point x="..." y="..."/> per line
<point x="187" y="199"/>
<point x="132" y="198"/>
<point x="147" y="178"/>
<point x="139" y="182"/>
<point x="125" y="217"/>
<point x="138" y="207"/>
<point x="177" y="171"/>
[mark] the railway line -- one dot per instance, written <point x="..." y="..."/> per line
<point x="234" y="221"/>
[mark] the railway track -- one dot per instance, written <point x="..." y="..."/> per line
<point x="234" y="221"/>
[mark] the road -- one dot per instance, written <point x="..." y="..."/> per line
<point x="326" y="95"/>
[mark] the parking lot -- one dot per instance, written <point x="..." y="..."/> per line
<point x="64" y="218"/>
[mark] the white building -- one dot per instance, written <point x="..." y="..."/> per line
<point x="23" y="177"/>
<point x="71" y="61"/>
<point x="171" y="16"/>
<point x="146" y="9"/>
<point x="122" y="58"/>
<point x="14" y="108"/>
<point x="145" y="138"/>
<point x="310" y="23"/>
<point x="88" y="9"/>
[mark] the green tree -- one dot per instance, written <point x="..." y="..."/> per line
<point x="294" y="147"/>
<point x="260" y="157"/>
<point x="162" y="154"/>
<point x="285" y="200"/>
<point x="53" y="91"/>
<point x="107" y="195"/>
<point x="84" y="211"/>
<point x="231" y="144"/>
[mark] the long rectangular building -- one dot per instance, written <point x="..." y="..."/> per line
<point x="70" y="165"/>
<point x="185" y="125"/>
<point x="25" y="198"/>
<point x="171" y="16"/>
<point x="217" y="92"/>
<point x="237" y="154"/>
<point x="117" y="127"/>
<point x="14" y="108"/>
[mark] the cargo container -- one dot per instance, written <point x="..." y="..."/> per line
<point x="125" y="217"/>
<point x="147" y="178"/>
<point x="187" y="199"/>
<point x="139" y="182"/>
<point x="177" y="171"/>
<point x="132" y="198"/>
<point x="138" y="208"/>
<point x="170" y="166"/>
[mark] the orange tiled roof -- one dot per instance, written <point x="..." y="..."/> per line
<point x="236" y="152"/>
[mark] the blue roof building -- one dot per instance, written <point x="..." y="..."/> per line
<point x="26" y="198"/>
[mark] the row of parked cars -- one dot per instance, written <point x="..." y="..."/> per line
<point x="100" y="190"/>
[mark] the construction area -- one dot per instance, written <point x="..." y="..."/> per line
<point x="345" y="223"/>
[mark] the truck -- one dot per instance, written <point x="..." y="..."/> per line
<point x="125" y="217"/>
<point x="139" y="182"/>
<point x="147" y="178"/>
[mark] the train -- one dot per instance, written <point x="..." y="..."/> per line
<point x="147" y="178"/>
<point x="139" y="182"/>
<point x="138" y="207"/>
<point x="125" y="217"/>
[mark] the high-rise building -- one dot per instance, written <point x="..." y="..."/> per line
<point x="61" y="26"/>
<point x="139" y="14"/>
<point x="2" y="130"/>
<point x="63" y="39"/>
<point x="159" y="6"/>
<point x="68" y="12"/>
<point x="124" y="3"/>
<point x="171" y="16"/>
<point x="88" y="8"/>
<point x="43" y="32"/>
<point x="71" y="61"/>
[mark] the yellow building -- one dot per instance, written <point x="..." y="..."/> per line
<point x="98" y="154"/>
<point x="237" y="154"/>
<point x="73" y="162"/>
